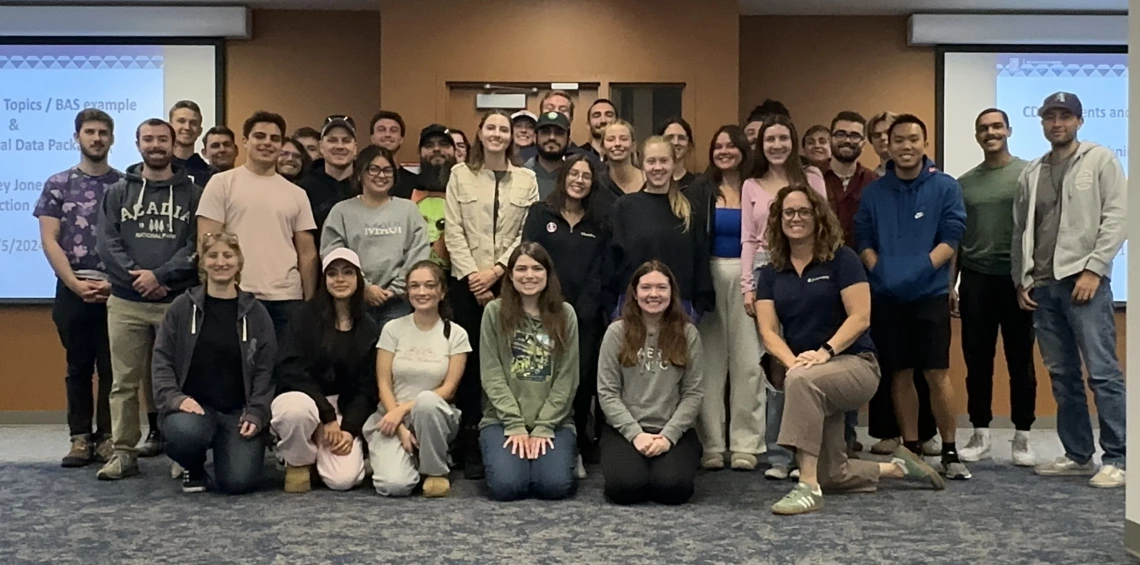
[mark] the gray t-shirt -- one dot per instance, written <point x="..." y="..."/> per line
<point x="1047" y="219"/>
<point x="421" y="358"/>
<point x="547" y="180"/>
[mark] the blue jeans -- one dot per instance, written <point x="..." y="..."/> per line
<point x="510" y="477"/>
<point x="280" y="312"/>
<point x="1063" y="329"/>
<point x="237" y="460"/>
<point x="778" y="455"/>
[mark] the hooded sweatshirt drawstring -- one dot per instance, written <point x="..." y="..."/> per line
<point x="244" y="330"/>
<point x="170" y="209"/>
<point x="194" y="320"/>
<point x="142" y="191"/>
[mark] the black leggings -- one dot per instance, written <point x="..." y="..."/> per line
<point x="585" y="400"/>
<point x="631" y="477"/>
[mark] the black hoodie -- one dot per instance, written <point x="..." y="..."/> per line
<point x="150" y="225"/>
<point x="324" y="191"/>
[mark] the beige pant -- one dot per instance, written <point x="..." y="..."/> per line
<point x="131" y="329"/>
<point x="295" y="422"/>
<point x="816" y="401"/>
<point x="731" y="348"/>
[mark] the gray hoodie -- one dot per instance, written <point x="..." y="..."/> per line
<point x="389" y="239"/>
<point x="149" y="225"/>
<point x="174" y="350"/>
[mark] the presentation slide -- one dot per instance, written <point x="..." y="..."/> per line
<point x="1018" y="83"/>
<point x="42" y="88"/>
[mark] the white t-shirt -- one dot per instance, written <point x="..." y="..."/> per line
<point x="264" y="212"/>
<point x="421" y="358"/>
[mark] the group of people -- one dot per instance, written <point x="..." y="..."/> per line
<point x="589" y="304"/>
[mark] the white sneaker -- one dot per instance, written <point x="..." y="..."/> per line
<point x="795" y="474"/>
<point x="579" y="469"/>
<point x="1065" y="467"/>
<point x="932" y="448"/>
<point x="978" y="447"/>
<point x="176" y="471"/>
<point x="777" y="473"/>
<point x="1022" y="453"/>
<point x="1110" y="476"/>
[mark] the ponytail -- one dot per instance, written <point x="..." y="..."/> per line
<point x="680" y="205"/>
<point x="445" y="311"/>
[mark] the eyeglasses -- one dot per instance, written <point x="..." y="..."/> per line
<point x="791" y="213"/>
<point x="291" y="155"/>
<point x="376" y="171"/>
<point x="578" y="175"/>
<point x="841" y="135"/>
<point x="677" y="138"/>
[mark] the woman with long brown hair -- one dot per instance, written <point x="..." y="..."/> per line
<point x="649" y="386"/>
<point x="815" y="288"/>
<point x="529" y="372"/>
<point x="485" y="206"/>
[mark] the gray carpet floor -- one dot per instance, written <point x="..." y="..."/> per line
<point x="1005" y="515"/>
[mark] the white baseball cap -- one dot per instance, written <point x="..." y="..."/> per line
<point x="341" y="253"/>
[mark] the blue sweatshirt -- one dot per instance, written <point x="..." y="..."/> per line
<point x="903" y="223"/>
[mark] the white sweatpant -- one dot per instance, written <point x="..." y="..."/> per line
<point x="296" y="422"/>
<point x="396" y="472"/>
<point x="732" y="350"/>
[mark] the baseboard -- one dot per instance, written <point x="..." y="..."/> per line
<point x="32" y="417"/>
<point x="998" y="423"/>
<point x="1132" y="537"/>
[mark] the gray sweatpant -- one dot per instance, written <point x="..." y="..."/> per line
<point x="396" y="472"/>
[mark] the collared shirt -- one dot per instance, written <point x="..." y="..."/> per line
<point x="844" y="193"/>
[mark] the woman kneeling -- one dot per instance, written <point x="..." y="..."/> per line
<point x="816" y="288"/>
<point x="419" y="365"/>
<point x="649" y="386"/>
<point x="212" y="372"/>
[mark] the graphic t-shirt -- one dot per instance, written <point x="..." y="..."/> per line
<point x="531" y="351"/>
<point x="73" y="197"/>
<point x="421" y="357"/>
<point x="432" y="205"/>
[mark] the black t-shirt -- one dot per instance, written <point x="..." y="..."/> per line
<point x="215" y="379"/>
<point x="406" y="181"/>
<point x="809" y="306"/>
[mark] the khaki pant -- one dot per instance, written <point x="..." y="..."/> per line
<point x="732" y="350"/>
<point x="131" y="329"/>
<point x="815" y="403"/>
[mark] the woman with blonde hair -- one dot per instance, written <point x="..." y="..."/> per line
<point x="660" y="223"/>
<point x="622" y="175"/>
<point x="212" y="373"/>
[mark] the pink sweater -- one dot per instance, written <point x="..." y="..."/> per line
<point x="755" y="202"/>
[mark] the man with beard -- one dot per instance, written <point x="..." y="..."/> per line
<point x="329" y="179"/>
<point x="437" y="157"/>
<point x="601" y="114"/>
<point x="220" y="148"/>
<point x="387" y="130"/>
<point x="553" y="137"/>
<point x="146" y="241"/>
<point x="1069" y="224"/>
<point x="186" y="118"/>
<point x="68" y="212"/>
<point x="987" y="298"/>
<point x="523" y="126"/>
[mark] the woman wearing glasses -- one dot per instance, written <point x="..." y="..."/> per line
<point x="486" y="205"/>
<point x="293" y="160"/>
<point x="816" y="290"/>
<point x="679" y="134"/>
<point x="388" y="234"/>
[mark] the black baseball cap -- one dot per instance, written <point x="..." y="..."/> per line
<point x="553" y="119"/>
<point x="436" y="130"/>
<point x="339" y="121"/>
<point x="1062" y="100"/>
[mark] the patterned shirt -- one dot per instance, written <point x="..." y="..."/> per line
<point x="73" y="198"/>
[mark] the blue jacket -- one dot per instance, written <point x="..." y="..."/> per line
<point x="903" y="224"/>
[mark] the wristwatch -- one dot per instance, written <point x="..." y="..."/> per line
<point x="827" y="347"/>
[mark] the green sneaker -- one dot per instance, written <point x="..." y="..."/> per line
<point x="121" y="466"/>
<point x="800" y="501"/>
<point x="915" y="469"/>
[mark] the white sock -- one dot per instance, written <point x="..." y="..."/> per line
<point x="814" y="489"/>
<point x="898" y="462"/>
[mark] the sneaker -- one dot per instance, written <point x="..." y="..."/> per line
<point x="122" y="464"/>
<point x="932" y="447"/>
<point x="886" y="446"/>
<point x="1110" y="476"/>
<point x="579" y="469"/>
<point x="152" y="445"/>
<point x="1065" y="467"/>
<point x="956" y="470"/>
<point x="801" y="500"/>
<point x="104" y="450"/>
<point x="80" y="454"/>
<point x="795" y="474"/>
<point x="176" y="470"/>
<point x="915" y="469"/>
<point x="978" y="447"/>
<point x="742" y="462"/>
<point x="297" y="479"/>
<point x="436" y="487"/>
<point x="1022" y="453"/>
<point x="193" y="481"/>
<point x="712" y="461"/>
<point x="776" y="473"/>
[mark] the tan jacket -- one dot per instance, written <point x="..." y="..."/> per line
<point x="476" y="239"/>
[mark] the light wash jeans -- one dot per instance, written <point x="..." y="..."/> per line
<point x="1063" y="330"/>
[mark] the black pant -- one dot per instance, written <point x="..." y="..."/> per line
<point x="82" y="330"/>
<point x="469" y="316"/>
<point x="280" y="312"/>
<point x="631" y="477"/>
<point x="589" y="343"/>
<point x="882" y="422"/>
<point x="987" y="302"/>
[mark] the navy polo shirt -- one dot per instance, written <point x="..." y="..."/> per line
<point x="809" y="306"/>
